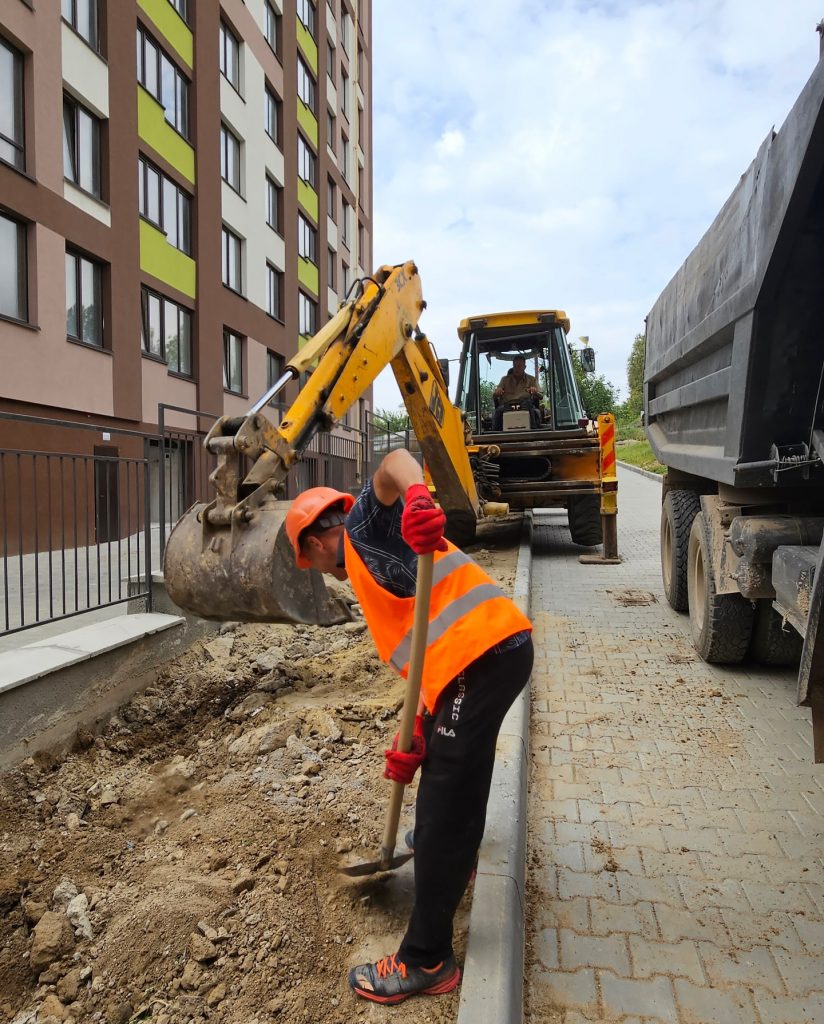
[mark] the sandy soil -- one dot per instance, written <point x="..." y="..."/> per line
<point x="193" y="841"/>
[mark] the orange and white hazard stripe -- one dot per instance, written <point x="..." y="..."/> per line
<point x="609" y="474"/>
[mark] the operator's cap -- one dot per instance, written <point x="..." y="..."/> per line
<point x="309" y="508"/>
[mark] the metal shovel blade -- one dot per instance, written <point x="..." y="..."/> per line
<point x="372" y="867"/>
<point x="245" y="572"/>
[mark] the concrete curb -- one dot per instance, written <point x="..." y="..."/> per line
<point x="493" y="976"/>
<point x="643" y="472"/>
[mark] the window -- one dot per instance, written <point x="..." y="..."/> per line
<point x="166" y="205"/>
<point x="331" y="200"/>
<point x="231" y="255"/>
<point x="362" y="246"/>
<point x="166" y="331"/>
<point x="271" y="26"/>
<point x="182" y="8"/>
<point x="306" y="13"/>
<point x="361" y="187"/>
<point x="344" y="228"/>
<point x="160" y="77"/>
<point x="81" y="146"/>
<point x="331" y="124"/>
<point x="307" y="240"/>
<point x="11" y="106"/>
<point x="229" y="56"/>
<point x="331" y="267"/>
<point x="346" y="277"/>
<point x="307" y="314"/>
<point x="82" y="16"/>
<point x="330" y="61"/>
<point x="84" y="304"/>
<point x="274" y="291"/>
<point x="361" y="139"/>
<point x="13" y="269"/>
<point x="272" y="116"/>
<point x="274" y="371"/>
<point x="344" y="93"/>
<point x="360" y="64"/>
<point x="344" y="156"/>
<point x="307" y="162"/>
<point x="345" y="21"/>
<point x="274" y="200"/>
<point x="306" y="85"/>
<point x="230" y="158"/>
<point x="232" y="362"/>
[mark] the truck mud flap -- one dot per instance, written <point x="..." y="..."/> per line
<point x="811" y="670"/>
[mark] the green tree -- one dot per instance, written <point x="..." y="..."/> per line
<point x="597" y="393"/>
<point x="635" y="378"/>
<point x="392" y="422"/>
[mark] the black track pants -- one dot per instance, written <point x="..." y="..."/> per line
<point x="453" y="792"/>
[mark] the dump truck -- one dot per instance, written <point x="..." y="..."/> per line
<point x="734" y="408"/>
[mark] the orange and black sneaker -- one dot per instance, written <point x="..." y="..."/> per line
<point x="391" y="981"/>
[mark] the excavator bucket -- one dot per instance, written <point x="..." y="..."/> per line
<point x="245" y="572"/>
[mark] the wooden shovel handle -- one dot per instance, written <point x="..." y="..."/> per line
<point x="420" y="630"/>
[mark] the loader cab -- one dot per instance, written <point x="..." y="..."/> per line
<point x="490" y="346"/>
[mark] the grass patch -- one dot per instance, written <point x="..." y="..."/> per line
<point x="639" y="453"/>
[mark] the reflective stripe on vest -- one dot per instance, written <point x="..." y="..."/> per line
<point x="448" y="617"/>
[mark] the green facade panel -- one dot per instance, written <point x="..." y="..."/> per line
<point x="154" y="129"/>
<point x="308" y="275"/>
<point x="173" y="27"/>
<point x="308" y="122"/>
<point x="308" y="46"/>
<point x="166" y="263"/>
<point x="308" y="198"/>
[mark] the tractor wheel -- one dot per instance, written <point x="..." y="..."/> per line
<point x="677" y="513"/>
<point x="585" y="520"/>
<point x="771" y="644"/>
<point x="721" y="623"/>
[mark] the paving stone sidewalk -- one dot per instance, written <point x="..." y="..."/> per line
<point x="676" y="815"/>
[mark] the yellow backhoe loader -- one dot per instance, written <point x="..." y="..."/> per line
<point x="230" y="559"/>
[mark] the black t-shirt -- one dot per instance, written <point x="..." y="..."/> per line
<point x="375" y="532"/>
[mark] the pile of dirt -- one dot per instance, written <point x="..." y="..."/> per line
<point x="181" y="864"/>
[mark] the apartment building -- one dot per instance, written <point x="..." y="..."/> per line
<point x="185" y="191"/>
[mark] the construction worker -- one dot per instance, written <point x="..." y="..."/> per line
<point x="478" y="659"/>
<point x="517" y="385"/>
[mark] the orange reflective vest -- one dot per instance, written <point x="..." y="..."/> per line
<point x="468" y="614"/>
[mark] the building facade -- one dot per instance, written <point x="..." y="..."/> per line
<point x="185" y="191"/>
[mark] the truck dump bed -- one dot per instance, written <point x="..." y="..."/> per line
<point x="735" y="342"/>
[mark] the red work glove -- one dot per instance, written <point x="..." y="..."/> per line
<point x="402" y="767"/>
<point x="422" y="522"/>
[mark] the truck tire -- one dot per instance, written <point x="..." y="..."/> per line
<point x="461" y="528"/>
<point x="585" y="520"/>
<point x="677" y="513"/>
<point x="772" y="645"/>
<point x="721" y="623"/>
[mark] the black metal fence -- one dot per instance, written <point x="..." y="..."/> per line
<point x="85" y="508"/>
<point x="75" y="519"/>
<point x="380" y="441"/>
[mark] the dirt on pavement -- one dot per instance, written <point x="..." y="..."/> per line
<point x="192" y="841"/>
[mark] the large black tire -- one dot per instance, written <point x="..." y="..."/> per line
<point x="771" y="644"/>
<point x="585" y="520"/>
<point x="677" y="513"/>
<point x="721" y="623"/>
<point x="461" y="528"/>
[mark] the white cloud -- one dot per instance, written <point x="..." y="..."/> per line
<point x="568" y="154"/>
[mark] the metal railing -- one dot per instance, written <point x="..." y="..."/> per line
<point x="76" y="527"/>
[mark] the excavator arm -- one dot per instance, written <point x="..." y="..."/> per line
<point x="230" y="559"/>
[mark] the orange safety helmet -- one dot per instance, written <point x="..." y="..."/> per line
<point x="306" y="509"/>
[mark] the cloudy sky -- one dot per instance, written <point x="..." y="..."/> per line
<point x="568" y="153"/>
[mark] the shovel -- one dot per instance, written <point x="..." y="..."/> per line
<point x="387" y="859"/>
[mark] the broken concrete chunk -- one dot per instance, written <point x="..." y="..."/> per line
<point x="52" y="938"/>
<point x="270" y="659"/>
<point x="78" y="914"/>
<point x="201" y="949"/>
